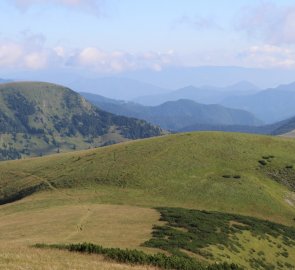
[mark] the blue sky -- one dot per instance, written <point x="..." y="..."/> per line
<point x="114" y="36"/>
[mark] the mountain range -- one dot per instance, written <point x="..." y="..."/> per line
<point x="270" y="105"/>
<point x="118" y="88"/>
<point x="175" y="115"/>
<point x="220" y="76"/>
<point x="204" y="94"/>
<point x="186" y="115"/>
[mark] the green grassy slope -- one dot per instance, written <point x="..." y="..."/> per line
<point x="39" y="118"/>
<point x="105" y="196"/>
<point x="213" y="171"/>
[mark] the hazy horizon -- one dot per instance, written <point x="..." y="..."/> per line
<point x="61" y="40"/>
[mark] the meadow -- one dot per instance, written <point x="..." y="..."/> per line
<point x="113" y="196"/>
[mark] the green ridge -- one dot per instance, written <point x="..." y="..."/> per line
<point x="185" y="170"/>
<point x="39" y="118"/>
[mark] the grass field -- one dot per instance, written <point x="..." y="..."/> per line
<point x="185" y="170"/>
<point x="106" y="195"/>
<point x="16" y="257"/>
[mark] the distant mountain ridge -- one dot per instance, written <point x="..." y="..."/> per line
<point x="116" y="88"/>
<point x="175" y="115"/>
<point x="205" y="94"/>
<point x="38" y="118"/>
<point x="186" y="116"/>
<point x="179" y="77"/>
<point x="285" y="128"/>
<point x="270" y="105"/>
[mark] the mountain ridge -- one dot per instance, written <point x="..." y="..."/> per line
<point x="175" y="115"/>
<point x="39" y="118"/>
<point x="271" y="105"/>
<point x="202" y="94"/>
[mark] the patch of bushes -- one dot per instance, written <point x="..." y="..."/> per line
<point x="141" y="258"/>
<point x="9" y="198"/>
<point x="285" y="175"/>
<point x="193" y="230"/>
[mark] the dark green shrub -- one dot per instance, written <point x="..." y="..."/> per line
<point x="262" y="162"/>
<point x="285" y="254"/>
<point x="141" y="258"/>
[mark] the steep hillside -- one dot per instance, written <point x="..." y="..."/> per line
<point x="106" y="195"/>
<point x="41" y="118"/>
<point x="285" y="127"/>
<point x="176" y="115"/>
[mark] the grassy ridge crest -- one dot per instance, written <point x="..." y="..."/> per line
<point x="183" y="170"/>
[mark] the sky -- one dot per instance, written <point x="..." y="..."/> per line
<point x="115" y="36"/>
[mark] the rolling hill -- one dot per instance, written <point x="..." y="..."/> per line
<point x="223" y="197"/>
<point x="176" y="115"/>
<point x="41" y="118"/>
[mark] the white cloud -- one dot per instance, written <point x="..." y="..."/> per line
<point x="36" y="60"/>
<point x="118" y="61"/>
<point x="31" y="53"/>
<point x="268" y="56"/>
<point x="10" y="54"/>
<point x="269" y="22"/>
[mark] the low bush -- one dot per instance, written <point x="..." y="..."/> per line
<point x="194" y="230"/>
<point x="262" y="162"/>
<point x="141" y="258"/>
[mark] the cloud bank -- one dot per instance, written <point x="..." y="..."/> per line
<point x="31" y="53"/>
<point x="268" y="56"/>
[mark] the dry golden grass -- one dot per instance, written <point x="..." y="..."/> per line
<point x="19" y="257"/>
<point x="107" y="225"/>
